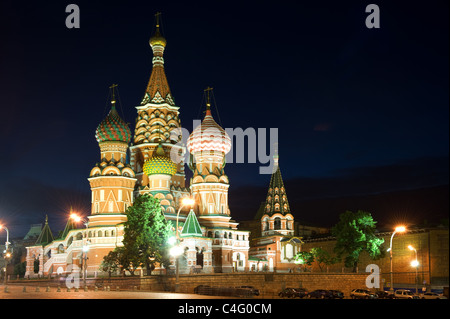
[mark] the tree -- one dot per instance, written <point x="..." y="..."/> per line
<point x="323" y="257"/>
<point x="146" y="234"/>
<point x="304" y="258"/>
<point x="355" y="233"/>
<point x="111" y="262"/>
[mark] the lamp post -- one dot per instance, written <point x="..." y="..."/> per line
<point x="7" y="254"/>
<point x="85" y="248"/>
<point x="176" y="251"/>
<point x="414" y="263"/>
<point x="399" y="229"/>
<point x="84" y="258"/>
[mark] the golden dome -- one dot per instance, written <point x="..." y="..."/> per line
<point x="157" y="39"/>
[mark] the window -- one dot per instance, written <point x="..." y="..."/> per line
<point x="277" y="223"/>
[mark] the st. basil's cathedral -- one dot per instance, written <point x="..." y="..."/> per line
<point x="142" y="163"/>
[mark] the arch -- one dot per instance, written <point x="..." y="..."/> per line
<point x="211" y="179"/>
<point x="277" y="223"/>
<point x="223" y="179"/>
<point x="141" y="122"/>
<point x="141" y="130"/>
<point x="111" y="169"/>
<point x="127" y="170"/>
<point x="95" y="171"/>
<point x="197" y="179"/>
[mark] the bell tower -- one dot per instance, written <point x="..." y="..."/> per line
<point x="158" y="124"/>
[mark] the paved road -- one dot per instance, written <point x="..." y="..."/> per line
<point x="16" y="292"/>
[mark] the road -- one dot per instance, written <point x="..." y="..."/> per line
<point x="17" y="292"/>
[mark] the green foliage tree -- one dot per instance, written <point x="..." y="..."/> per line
<point x="323" y="257"/>
<point x="112" y="262"/>
<point x="355" y="233"/>
<point x="304" y="258"/>
<point x="146" y="234"/>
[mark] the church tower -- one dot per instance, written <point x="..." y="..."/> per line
<point x="112" y="180"/>
<point x="208" y="144"/>
<point x="158" y="125"/>
<point x="112" y="184"/>
<point x="277" y="217"/>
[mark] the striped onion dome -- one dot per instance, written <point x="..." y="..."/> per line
<point x="113" y="128"/>
<point x="159" y="164"/>
<point x="209" y="136"/>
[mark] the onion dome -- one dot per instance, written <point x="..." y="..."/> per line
<point x="160" y="164"/>
<point x="208" y="136"/>
<point x="113" y="128"/>
<point x="157" y="38"/>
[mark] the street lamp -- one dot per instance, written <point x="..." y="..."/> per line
<point x="84" y="258"/>
<point x="85" y="249"/>
<point x="414" y="263"/>
<point x="399" y="229"/>
<point x="7" y="236"/>
<point x="176" y="251"/>
<point x="7" y="255"/>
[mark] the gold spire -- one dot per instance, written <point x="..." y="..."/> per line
<point x="208" y="100"/>
<point x="157" y="38"/>
<point x="113" y="98"/>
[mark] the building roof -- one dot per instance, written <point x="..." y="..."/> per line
<point x="46" y="235"/>
<point x="34" y="232"/>
<point x="191" y="226"/>
<point x="208" y="136"/>
<point x="69" y="226"/>
<point x="276" y="199"/>
<point x="113" y="128"/>
<point x="159" y="163"/>
<point x="158" y="91"/>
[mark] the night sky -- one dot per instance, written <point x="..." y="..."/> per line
<point x="359" y="111"/>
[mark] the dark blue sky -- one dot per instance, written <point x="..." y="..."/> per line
<point x="350" y="103"/>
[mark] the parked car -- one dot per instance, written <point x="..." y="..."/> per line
<point x="300" y="292"/>
<point x="432" y="295"/>
<point x="404" y="294"/>
<point x="287" y="292"/>
<point x="362" y="293"/>
<point x="381" y="294"/>
<point x="321" y="294"/>
<point x="253" y="290"/>
<point x="337" y="294"/>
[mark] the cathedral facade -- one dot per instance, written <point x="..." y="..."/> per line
<point x="151" y="160"/>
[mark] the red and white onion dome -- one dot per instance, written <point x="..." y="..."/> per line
<point x="208" y="136"/>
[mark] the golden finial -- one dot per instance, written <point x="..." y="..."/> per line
<point x="208" y="98"/>
<point x="113" y="99"/>
<point x="157" y="39"/>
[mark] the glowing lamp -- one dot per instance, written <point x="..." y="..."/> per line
<point x="176" y="251"/>
<point x="188" y="201"/>
<point x="400" y="229"/>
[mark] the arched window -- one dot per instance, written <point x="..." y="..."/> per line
<point x="99" y="233"/>
<point x="277" y="223"/>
